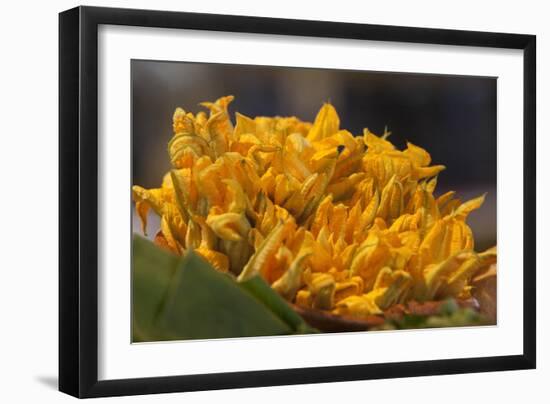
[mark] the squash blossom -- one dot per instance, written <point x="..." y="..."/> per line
<point x="332" y="221"/>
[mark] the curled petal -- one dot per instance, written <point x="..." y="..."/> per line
<point x="217" y="259"/>
<point x="229" y="226"/>
<point x="357" y="306"/>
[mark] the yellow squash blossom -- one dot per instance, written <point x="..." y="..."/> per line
<point x="336" y="222"/>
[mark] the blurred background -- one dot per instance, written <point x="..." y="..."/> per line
<point x="452" y="117"/>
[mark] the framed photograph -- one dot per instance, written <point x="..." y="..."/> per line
<point x="253" y="201"/>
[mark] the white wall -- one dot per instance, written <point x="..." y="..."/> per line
<point x="28" y="202"/>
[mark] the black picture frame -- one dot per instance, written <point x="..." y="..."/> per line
<point x="78" y="201"/>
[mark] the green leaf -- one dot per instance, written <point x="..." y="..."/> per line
<point x="178" y="298"/>
<point x="153" y="269"/>
<point x="204" y="303"/>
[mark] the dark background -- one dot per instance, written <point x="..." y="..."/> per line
<point x="452" y="117"/>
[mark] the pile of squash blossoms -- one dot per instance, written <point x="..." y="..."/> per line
<point x="332" y="221"/>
